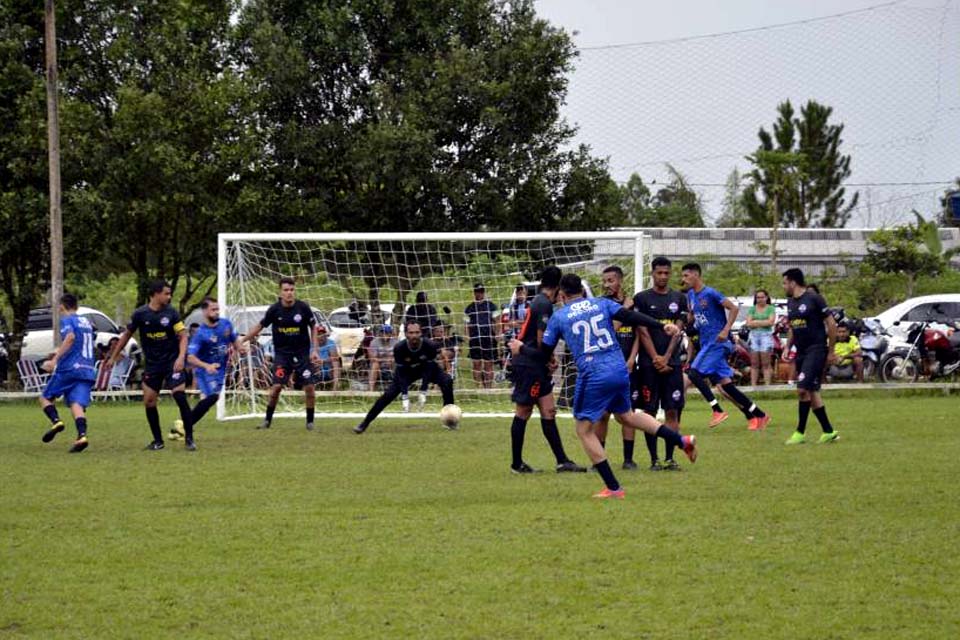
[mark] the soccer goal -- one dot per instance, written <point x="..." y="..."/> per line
<point x="361" y="287"/>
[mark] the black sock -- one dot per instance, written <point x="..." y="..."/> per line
<point x="670" y="435"/>
<point x="821" y="414"/>
<point x="704" y="390"/>
<point x="628" y="450"/>
<point x="552" y="434"/>
<point x="309" y="414"/>
<point x="51" y="412"/>
<point x="603" y="468"/>
<point x="81" y="426"/>
<point x="750" y="410"/>
<point x="670" y="447"/>
<point x="517" y="430"/>
<point x="181" y="399"/>
<point x="804" y="413"/>
<point x="153" y="419"/>
<point x="651" y="445"/>
<point x="270" y="409"/>
<point x="202" y="407"/>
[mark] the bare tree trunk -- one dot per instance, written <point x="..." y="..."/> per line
<point x="53" y="154"/>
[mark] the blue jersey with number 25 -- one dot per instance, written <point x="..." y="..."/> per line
<point x="586" y="325"/>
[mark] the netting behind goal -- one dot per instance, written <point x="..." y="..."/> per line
<point x="361" y="286"/>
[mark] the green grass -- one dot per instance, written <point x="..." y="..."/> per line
<point x="412" y="531"/>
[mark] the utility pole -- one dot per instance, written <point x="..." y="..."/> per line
<point x="53" y="158"/>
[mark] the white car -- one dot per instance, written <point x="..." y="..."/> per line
<point x="745" y="302"/>
<point x="942" y="307"/>
<point x="350" y="331"/>
<point x="38" y="341"/>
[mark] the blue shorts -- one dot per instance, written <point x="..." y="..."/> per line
<point x="761" y="341"/>
<point x="595" y="396"/>
<point x="209" y="384"/>
<point x="711" y="361"/>
<point x="73" y="390"/>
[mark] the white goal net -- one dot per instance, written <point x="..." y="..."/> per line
<point x="361" y="286"/>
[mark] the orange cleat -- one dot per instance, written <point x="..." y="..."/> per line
<point x="690" y="447"/>
<point x="718" y="417"/>
<point x="762" y="422"/>
<point x="607" y="493"/>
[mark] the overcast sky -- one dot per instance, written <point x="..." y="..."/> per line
<point x="892" y="74"/>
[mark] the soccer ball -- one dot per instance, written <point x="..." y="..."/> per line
<point x="450" y="416"/>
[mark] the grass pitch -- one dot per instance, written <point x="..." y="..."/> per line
<point x="412" y="531"/>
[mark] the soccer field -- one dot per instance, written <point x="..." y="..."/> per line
<point x="413" y="531"/>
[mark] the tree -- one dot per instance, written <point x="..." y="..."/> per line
<point x="816" y="197"/>
<point x="735" y="212"/>
<point x="673" y="205"/>
<point x="911" y="250"/>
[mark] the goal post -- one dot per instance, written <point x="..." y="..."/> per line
<point x="361" y="285"/>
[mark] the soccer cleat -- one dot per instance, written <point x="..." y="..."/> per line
<point x="154" y="446"/>
<point x="671" y="465"/>
<point x="607" y="493"/>
<point x="52" y="432"/>
<point x="523" y="469"/>
<point x="177" y="432"/>
<point x="421" y="401"/>
<point x="570" y="467"/>
<point x="405" y="403"/>
<point x="190" y="445"/>
<point x="762" y="422"/>
<point x="656" y="466"/>
<point x="718" y="417"/>
<point x="827" y="438"/>
<point x="309" y="426"/>
<point x="79" y="444"/>
<point x="264" y="425"/>
<point x="630" y="465"/>
<point x="753" y="424"/>
<point x="796" y="438"/>
<point x="690" y="447"/>
<point x="360" y="428"/>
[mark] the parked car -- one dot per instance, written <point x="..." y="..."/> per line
<point x="352" y="326"/>
<point x="38" y="340"/>
<point x="942" y="308"/>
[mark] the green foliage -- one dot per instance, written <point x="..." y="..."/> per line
<point x="910" y="250"/>
<point x="801" y="164"/>
<point x="411" y="531"/>
<point x="673" y="205"/>
<point x="735" y="212"/>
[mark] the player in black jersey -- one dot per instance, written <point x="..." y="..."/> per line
<point x="612" y="279"/>
<point x="414" y="359"/>
<point x="533" y="381"/>
<point x="163" y="339"/>
<point x="813" y="331"/>
<point x="294" y="347"/>
<point x="659" y="373"/>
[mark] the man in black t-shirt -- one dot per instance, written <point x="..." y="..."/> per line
<point x="414" y="359"/>
<point x="612" y="281"/>
<point x="294" y="347"/>
<point x="163" y="339"/>
<point x="813" y="331"/>
<point x="658" y="372"/>
<point x="533" y="381"/>
<point x="482" y="320"/>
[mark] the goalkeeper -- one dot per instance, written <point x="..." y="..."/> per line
<point x="414" y="359"/>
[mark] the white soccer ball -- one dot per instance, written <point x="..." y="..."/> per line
<point x="450" y="416"/>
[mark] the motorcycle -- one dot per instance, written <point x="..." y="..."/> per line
<point x="873" y="344"/>
<point x="930" y="350"/>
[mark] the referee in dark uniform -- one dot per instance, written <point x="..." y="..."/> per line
<point x="813" y="331"/>
<point x="533" y="381"/>
<point x="163" y="339"/>
<point x="414" y="359"/>
<point x="294" y="348"/>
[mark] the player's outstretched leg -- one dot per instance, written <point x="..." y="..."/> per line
<point x="382" y="402"/>
<point x="591" y="444"/>
<point x="203" y="407"/>
<point x="80" y="420"/>
<point x="56" y="424"/>
<point x="697" y="379"/>
<point x="648" y="424"/>
<point x="757" y="419"/>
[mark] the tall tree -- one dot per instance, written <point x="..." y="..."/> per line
<point x="816" y="197"/>
<point x="734" y="211"/>
<point x="675" y="204"/>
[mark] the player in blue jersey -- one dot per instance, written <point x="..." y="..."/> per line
<point x="74" y="372"/>
<point x="603" y="383"/>
<point x="713" y="315"/>
<point x="209" y="353"/>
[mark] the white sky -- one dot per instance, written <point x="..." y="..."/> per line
<point x="892" y="75"/>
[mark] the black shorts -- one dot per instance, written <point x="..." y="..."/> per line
<point x="483" y="349"/>
<point x="652" y="390"/>
<point x="810" y="364"/>
<point x="530" y="383"/>
<point x="287" y="365"/>
<point x="161" y="377"/>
